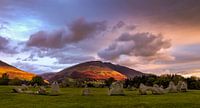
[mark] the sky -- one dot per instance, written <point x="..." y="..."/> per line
<point x="152" y="36"/>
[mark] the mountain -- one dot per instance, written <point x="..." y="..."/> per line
<point x="47" y="75"/>
<point x="96" y="70"/>
<point x="14" y="72"/>
<point x="130" y="73"/>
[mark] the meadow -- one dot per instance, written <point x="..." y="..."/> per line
<point x="72" y="98"/>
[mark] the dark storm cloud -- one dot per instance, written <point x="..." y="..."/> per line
<point x="77" y="31"/>
<point x="139" y="44"/>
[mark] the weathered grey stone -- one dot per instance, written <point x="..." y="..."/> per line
<point x="162" y="90"/>
<point x="86" y="91"/>
<point x="157" y="90"/>
<point x="182" y="86"/>
<point x="143" y="89"/>
<point x="116" y="89"/>
<point x="24" y="87"/>
<point x="42" y="91"/>
<point x="35" y="85"/>
<point x="17" y="90"/>
<point x="55" y="89"/>
<point x="171" y="88"/>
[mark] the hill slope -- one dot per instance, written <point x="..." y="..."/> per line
<point x="96" y="70"/>
<point x="14" y="72"/>
<point x="47" y="75"/>
<point x="130" y="73"/>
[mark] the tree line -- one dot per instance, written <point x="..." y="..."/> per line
<point x="5" y="80"/>
<point x="149" y="80"/>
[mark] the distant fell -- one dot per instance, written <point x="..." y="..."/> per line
<point x="96" y="70"/>
<point x="14" y="72"/>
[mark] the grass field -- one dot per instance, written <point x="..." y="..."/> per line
<point x="71" y="98"/>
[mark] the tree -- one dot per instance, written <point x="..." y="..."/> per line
<point x="68" y="82"/>
<point x="15" y="81"/>
<point x="109" y="81"/>
<point x="4" y="79"/>
<point x="37" y="80"/>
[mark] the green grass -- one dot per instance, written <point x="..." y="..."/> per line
<point x="71" y="98"/>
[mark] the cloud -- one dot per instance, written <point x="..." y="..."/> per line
<point x="117" y="49"/>
<point x="119" y="25"/>
<point x="65" y="55"/>
<point x="77" y="31"/>
<point x="186" y="54"/>
<point x="3" y="25"/>
<point x="3" y="43"/>
<point x="36" y="68"/>
<point x="81" y="29"/>
<point x="164" y="11"/>
<point x="131" y="27"/>
<point x="5" y="46"/>
<point x="123" y="26"/>
<point x="73" y="59"/>
<point x="156" y="11"/>
<point x="47" y="40"/>
<point x="30" y="58"/>
<point x="68" y="45"/>
<point x="145" y="45"/>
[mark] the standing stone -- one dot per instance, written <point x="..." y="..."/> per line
<point x="30" y="86"/>
<point x="162" y="87"/>
<point x="17" y="90"/>
<point x="86" y="91"/>
<point x="24" y="87"/>
<point x="55" y="89"/>
<point x="116" y="89"/>
<point x="182" y="86"/>
<point x="157" y="90"/>
<point x="143" y="89"/>
<point x="42" y="91"/>
<point x="171" y="88"/>
<point x="35" y="85"/>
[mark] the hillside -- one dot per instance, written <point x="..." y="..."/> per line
<point x="96" y="70"/>
<point x="47" y="75"/>
<point x="14" y="72"/>
<point x="130" y="73"/>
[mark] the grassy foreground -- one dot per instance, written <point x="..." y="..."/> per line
<point x="71" y="98"/>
